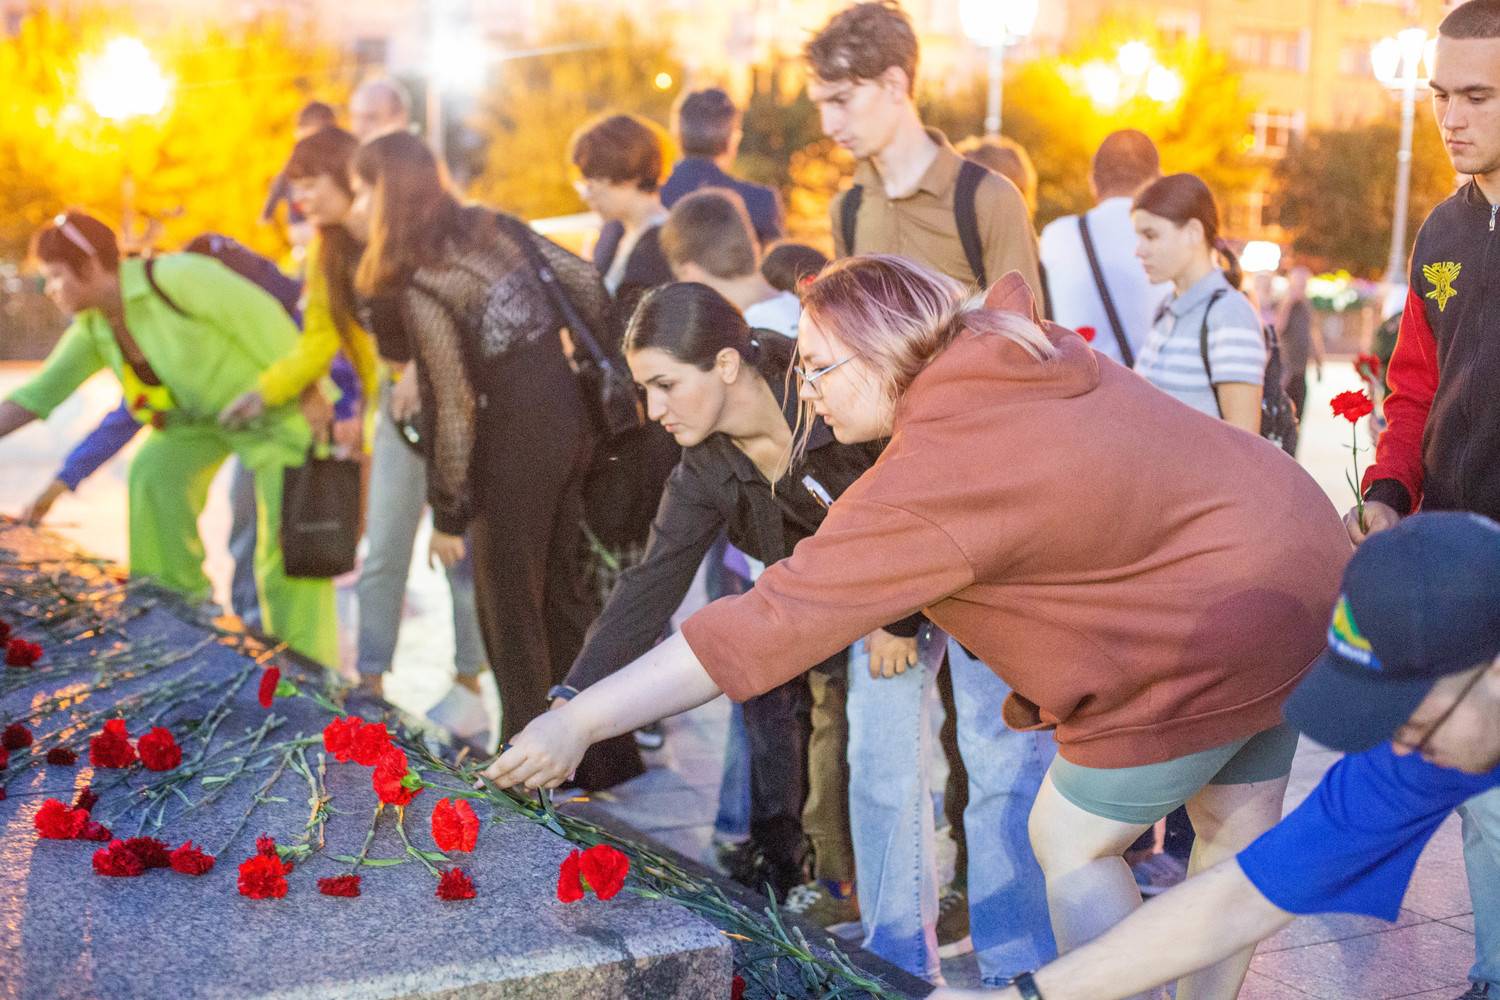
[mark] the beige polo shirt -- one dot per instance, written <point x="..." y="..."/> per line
<point x="921" y="225"/>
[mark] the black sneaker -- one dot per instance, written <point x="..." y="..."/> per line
<point x="650" y="737"/>
<point x="953" y="924"/>
<point x="1477" y="991"/>
<point x="748" y="865"/>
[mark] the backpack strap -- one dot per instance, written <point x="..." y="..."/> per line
<point x="160" y="292"/>
<point x="1203" y="348"/>
<point x="965" y="192"/>
<point x="1126" y="354"/>
<point x="849" y="215"/>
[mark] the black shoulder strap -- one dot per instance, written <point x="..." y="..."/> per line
<point x="970" y="175"/>
<point x="161" y="293"/>
<point x="578" y="327"/>
<point x="1126" y="354"/>
<point x="849" y="216"/>
<point x="1203" y="347"/>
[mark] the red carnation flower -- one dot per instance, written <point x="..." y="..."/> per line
<point x="268" y="682"/>
<point x="87" y="798"/>
<point x="2" y="793"/>
<point x="4" y="631"/>
<point x="1088" y="333"/>
<point x="159" y="750"/>
<point x="569" y="878"/>
<point x="55" y="821"/>
<point x="393" y="778"/>
<point x="190" y="860"/>
<point x="266" y="846"/>
<point x="140" y="401"/>
<point x="4" y="758"/>
<point x="263" y="877"/>
<point x="95" y="831"/>
<point x="454" y="825"/>
<point x="338" y="737"/>
<point x="20" y="653"/>
<point x="604" y="870"/>
<point x="737" y="988"/>
<point x="62" y="757"/>
<point x="371" y="743"/>
<point x="455" y="885"/>
<point x="152" y="852"/>
<point x="1368" y="365"/>
<point x="1352" y="406"/>
<point x="15" y="737"/>
<point x="111" y="748"/>
<point x="339" y="885"/>
<point x="118" y="860"/>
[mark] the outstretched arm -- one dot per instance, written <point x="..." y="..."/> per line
<point x="13" y="417"/>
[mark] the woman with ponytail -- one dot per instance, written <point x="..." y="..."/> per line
<point x="1177" y="222"/>
<point x="1072" y="526"/>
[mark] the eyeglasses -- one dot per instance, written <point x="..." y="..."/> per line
<point x="810" y="378"/>
<point x="70" y="232"/>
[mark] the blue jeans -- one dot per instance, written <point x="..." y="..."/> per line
<point x="398" y="497"/>
<point x="1481" y="825"/>
<point x="890" y="813"/>
<point x="733" y="820"/>
<point x="244" y="600"/>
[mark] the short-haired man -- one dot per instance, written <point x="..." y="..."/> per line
<point x="1441" y="446"/>
<point x="379" y="107"/>
<point x="708" y="239"/>
<point x="912" y="196"/>
<point x="1409" y="687"/>
<point x="1125" y="162"/>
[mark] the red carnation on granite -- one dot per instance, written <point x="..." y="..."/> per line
<point x="15" y="737"/>
<point x="95" y="831"/>
<point x="112" y="748"/>
<point x="393" y="778"/>
<point x="20" y="653"/>
<point x="55" y="821"/>
<point x="118" y="860"/>
<point x="190" y="860"/>
<point x="268" y="682"/>
<point x="4" y="758"/>
<point x="4" y="631"/>
<point x="263" y="877"/>
<point x="265" y="846"/>
<point x="737" y="988"/>
<point x="455" y="885"/>
<point x="62" y="757"/>
<point x="339" y="885"/>
<point x="370" y="744"/>
<point x="604" y="870"/>
<point x="87" y="798"/>
<point x="569" y="878"/>
<point x="454" y="825"/>
<point x="159" y="750"/>
<point x="152" y="852"/>
<point x="338" y="737"/>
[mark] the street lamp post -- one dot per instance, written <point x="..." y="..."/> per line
<point x="994" y="24"/>
<point x="123" y="83"/>
<point x="1397" y="62"/>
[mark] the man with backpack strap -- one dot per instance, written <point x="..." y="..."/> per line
<point x="185" y="335"/>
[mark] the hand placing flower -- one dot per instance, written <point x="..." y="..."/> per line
<point x="544" y="754"/>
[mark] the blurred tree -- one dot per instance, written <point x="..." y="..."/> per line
<point x="535" y="103"/>
<point x="1337" y="192"/>
<point x="204" y="163"/>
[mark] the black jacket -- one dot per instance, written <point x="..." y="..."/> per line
<point x="715" y="487"/>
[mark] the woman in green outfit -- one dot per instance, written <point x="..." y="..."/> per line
<point x="185" y="335"/>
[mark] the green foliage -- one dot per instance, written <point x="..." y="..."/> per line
<point x="1337" y="192"/>
<point x="536" y="102"/>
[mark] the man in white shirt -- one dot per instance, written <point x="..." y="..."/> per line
<point x="708" y="238"/>
<point x="1125" y="162"/>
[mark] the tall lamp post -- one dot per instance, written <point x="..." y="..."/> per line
<point x="994" y="24"/>
<point x="123" y="84"/>
<point x="1397" y="62"/>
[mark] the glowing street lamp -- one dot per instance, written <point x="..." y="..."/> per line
<point x="1397" y="62"/>
<point x="123" y="83"/>
<point x="995" y="24"/>
<point x="1133" y="72"/>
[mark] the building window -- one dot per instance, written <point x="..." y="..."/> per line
<point x="1270" y="50"/>
<point x="1354" y="59"/>
<point x="1273" y="131"/>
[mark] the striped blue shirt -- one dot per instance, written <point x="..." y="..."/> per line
<point x="1172" y="360"/>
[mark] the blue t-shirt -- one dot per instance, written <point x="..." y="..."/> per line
<point x="1352" y="846"/>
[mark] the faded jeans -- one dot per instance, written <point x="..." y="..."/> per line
<point x="398" y="497"/>
<point x="1481" y="826"/>
<point x="244" y="598"/>
<point x="891" y="739"/>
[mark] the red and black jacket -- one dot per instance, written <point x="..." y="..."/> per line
<point x="1441" y="448"/>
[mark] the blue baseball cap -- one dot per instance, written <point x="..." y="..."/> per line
<point x="1419" y="602"/>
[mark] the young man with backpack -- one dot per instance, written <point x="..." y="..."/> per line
<point x="185" y="335"/>
<point x="913" y="195"/>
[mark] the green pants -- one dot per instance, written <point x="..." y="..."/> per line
<point x="169" y="480"/>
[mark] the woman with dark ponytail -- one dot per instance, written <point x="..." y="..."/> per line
<point x="1206" y="348"/>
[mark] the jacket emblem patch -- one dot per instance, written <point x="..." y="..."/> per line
<point x="1442" y="275"/>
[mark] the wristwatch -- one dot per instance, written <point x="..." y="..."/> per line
<point x="563" y="691"/>
<point x="1026" y="986"/>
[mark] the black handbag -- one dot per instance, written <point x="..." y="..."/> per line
<point x="320" y="512"/>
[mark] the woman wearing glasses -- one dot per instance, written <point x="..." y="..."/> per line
<point x="1150" y="581"/>
<point x="185" y="335"/>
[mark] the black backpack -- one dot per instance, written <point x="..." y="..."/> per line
<point x="970" y="175"/>
<point x="1278" y="415"/>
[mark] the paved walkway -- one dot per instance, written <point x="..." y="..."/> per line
<point x="1425" y="954"/>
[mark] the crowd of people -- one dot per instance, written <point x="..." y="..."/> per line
<point x="1042" y="486"/>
